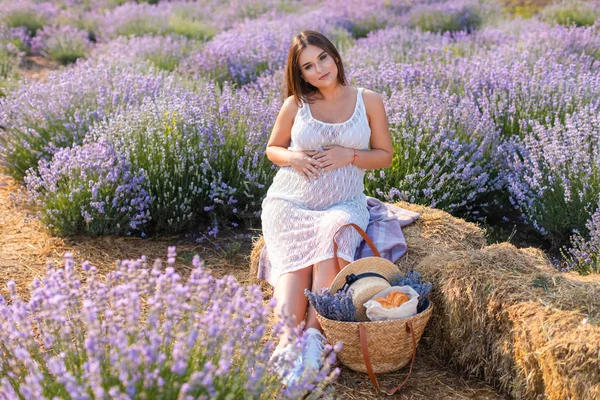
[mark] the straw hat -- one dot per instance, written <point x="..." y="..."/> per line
<point x="366" y="277"/>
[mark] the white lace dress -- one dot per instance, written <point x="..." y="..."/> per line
<point x="299" y="218"/>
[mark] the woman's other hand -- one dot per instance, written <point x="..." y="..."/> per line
<point x="304" y="163"/>
<point x="334" y="157"/>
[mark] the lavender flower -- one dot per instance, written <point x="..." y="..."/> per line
<point x="41" y="117"/>
<point x="142" y="332"/>
<point x="584" y="253"/>
<point x="413" y="279"/>
<point x="448" y="16"/>
<point x="165" y="52"/>
<point x="244" y="52"/>
<point x="337" y="306"/>
<point x="553" y="174"/>
<point x="90" y="189"/>
<point x="202" y="152"/>
<point x="442" y="147"/>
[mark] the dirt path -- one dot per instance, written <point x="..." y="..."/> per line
<point x="26" y="248"/>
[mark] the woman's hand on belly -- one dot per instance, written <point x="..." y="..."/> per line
<point x="334" y="157"/>
<point x="306" y="165"/>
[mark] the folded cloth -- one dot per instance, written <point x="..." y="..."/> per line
<point x="384" y="228"/>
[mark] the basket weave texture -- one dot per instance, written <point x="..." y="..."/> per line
<point x="389" y="342"/>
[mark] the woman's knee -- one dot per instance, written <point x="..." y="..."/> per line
<point x="294" y="280"/>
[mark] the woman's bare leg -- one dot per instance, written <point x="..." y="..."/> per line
<point x="324" y="273"/>
<point x="289" y="292"/>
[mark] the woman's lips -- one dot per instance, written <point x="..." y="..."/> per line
<point x="324" y="76"/>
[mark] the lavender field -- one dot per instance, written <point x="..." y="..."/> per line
<point x="158" y="121"/>
<point x="152" y="120"/>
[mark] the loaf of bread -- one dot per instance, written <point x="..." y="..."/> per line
<point x="394" y="299"/>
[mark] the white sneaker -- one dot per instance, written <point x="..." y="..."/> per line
<point x="288" y="376"/>
<point x="313" y="354"/>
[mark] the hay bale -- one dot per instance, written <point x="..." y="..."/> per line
<point x="435" y="230"/>
<point x="508" y="316"/>
<point x="257" y="245"/>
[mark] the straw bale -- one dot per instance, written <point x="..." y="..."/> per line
<point x="435" y="230"/>
<point x="506" y="315"/>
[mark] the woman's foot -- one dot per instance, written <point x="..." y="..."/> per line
<point x="289" y="376"/>
<point x="315" y="346"/>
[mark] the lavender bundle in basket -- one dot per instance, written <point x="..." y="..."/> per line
<point x="337" y="306"/>
<point x="413" y="279"/>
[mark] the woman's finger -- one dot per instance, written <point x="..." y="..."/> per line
<point x="319" y="155"/>
<point x="315" y="171"/>
<point x="310" y="173"/>
<point x="318" y="163"/>
<point x="304" y="176"/>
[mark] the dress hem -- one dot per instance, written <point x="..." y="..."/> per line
<point x="273" y="279"/>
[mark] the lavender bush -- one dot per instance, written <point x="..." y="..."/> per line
<point x="90" y="189"/>
<point x="571" y="12"/>
<point x="250" y="49"/>
<point x="361" y="17"/>
<point x="64" y="44"/>
<point x="10" y="58"/>
<point x="562" y="42"/>
<point x="553" y="174"/>
<point x="179" y="18"/>
<point x="584" y="253"/>
<point x="41" y="117"/>
<point x="164" y="52"/>
<point x="442" y="152"/>
<point x="28" y="14"/>
<point x="135" y="19"/>
<point x="447" y="16"/>
<point x="203" y="154"/>
<point x="143" y="333"/>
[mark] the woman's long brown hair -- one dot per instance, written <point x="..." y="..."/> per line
<point x="294" y="85"/>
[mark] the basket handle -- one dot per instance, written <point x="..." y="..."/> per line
<point x="364" y="236"/>
<point x="365" y="350"/>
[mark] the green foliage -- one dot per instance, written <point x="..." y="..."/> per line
<point x="362" y="29"/>
<point x="29" y="19"/>
<point x="572" y="12"/>
<point x="194" y="29"/>
<point x="67" y="55"/>
<point x="440" y="20"/>
<point x="10" y="58"/>
<point x="141" y="25"/>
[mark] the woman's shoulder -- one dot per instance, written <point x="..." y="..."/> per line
<point x="368" y="94"/>
<point x="289" y="109"/>
<point x="372" y="99"/>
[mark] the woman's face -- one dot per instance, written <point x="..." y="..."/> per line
<point x="317" y="67"/>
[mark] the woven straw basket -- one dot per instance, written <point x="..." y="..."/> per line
<point x="389" y="343"/>
<point x="376" y="346"/>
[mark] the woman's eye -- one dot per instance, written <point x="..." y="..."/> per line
<point x="324" y="57"/>
<point x="307" y="67"/>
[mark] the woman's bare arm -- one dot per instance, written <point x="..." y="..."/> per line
<point x="280" y="139"/>
<point x="381" y="153"/>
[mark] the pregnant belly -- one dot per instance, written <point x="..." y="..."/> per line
<point x="339" y="185"/>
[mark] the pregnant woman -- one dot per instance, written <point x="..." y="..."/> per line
<point x="325" y="137"/>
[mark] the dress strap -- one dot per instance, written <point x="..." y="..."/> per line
<point x="359" y="98"/>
